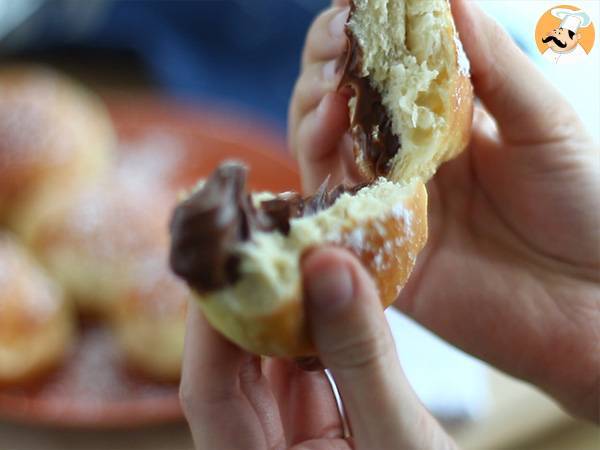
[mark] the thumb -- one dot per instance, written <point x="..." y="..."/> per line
<point x="354" y="342"/>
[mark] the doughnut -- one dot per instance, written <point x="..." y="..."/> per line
<point x="149" y="319"/>
<point x="36" y="324"/>
<point x="413" y="102"/>
<point x="55" y="136"/>
<point x="92" y="242"/>
<point x="411" y="110"/>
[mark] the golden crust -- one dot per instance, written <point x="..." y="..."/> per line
<point x="389" y="252"/>
<point x="36" y="325"/>
<point x="391" y="273"/>
<point x="280" y="333"/>
<point x="30" y="356"/>
<point x="149" y="321"/>
<point x="459" y="127"/>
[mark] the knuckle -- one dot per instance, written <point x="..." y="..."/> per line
<point x="300" y="88"/>
<point x="307" y="93"/>
<point x="361" y="351"/>
<point x="197" y="401"/>
<point x="320" y="23"/>
<point x="186" y="398"/>
<point x="315" y="33"/>
<point x="490" y="75"/>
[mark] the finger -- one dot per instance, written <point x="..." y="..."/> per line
<point x="325" y="444"/>
<point x="326" y="38"/>
<point x="257" y="389"/>
<point x="307" y="406"/>
<point x="353" y="339"/>
<point x="210" y="364"/>
<point x="213" y="392"/>
<point x="315" y="82"/>
<point x="318" y="142"/>
<point x="346" y="150"/>
<point x="525" y="105"/>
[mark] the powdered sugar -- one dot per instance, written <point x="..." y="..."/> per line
<point x="388" y="246"/>
<point x="26" y="137"/>
<point x="152" y="157"/>
<point x="126" y="213"/>
<point x="382" y="250"/>
<point x="378" y="261"/>
<point x="38" y="121"/>
<point x="94" y="374"/>
<point x="159" y="293"/>
<point x="384" y="254"/>
<point x="333" y="236"/>
<point x="117" y="224"/>
<point x="380" y="228"/>
<point x="356" y="239"/>
<point x="400" y="212"/>
<point x="399" y="241"/>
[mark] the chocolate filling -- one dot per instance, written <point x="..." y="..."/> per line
<point x="371" y="124"/>
<point x="206" y="228"/>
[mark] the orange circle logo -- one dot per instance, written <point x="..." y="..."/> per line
<point x="565" y="34"/>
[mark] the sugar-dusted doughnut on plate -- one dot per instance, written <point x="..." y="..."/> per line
<point x="149" y="319"/>
<point x="55" y="136"/>
<point x="36" y="324"/>
<point x="92" y="243"/>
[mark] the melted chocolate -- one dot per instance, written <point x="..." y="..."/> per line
<point x="371" y="125"/>
<point x="206" y="228"/>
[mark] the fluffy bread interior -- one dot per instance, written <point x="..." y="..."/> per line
<point x="411" y="53"/>
<point x="271" y="261"/>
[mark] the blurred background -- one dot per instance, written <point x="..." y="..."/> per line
<point x="237" y="60"/>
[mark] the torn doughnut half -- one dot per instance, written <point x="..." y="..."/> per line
<point x="413" y="102"/>
<point x="241" y="252"/>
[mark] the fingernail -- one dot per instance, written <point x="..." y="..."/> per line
<point x="336" y="26"/>
<point x="329" y="70"/>
<point x="330" y="290"/>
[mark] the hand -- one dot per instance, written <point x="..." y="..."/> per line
<point x="511" y="272"/>
<point x="233" y="400"/>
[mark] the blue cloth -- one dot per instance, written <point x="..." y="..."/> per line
<point x="244" y="53"/>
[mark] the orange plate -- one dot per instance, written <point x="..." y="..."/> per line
<point x="93" y="389"/>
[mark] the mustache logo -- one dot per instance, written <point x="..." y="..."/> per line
<point x="555" y="40"/>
